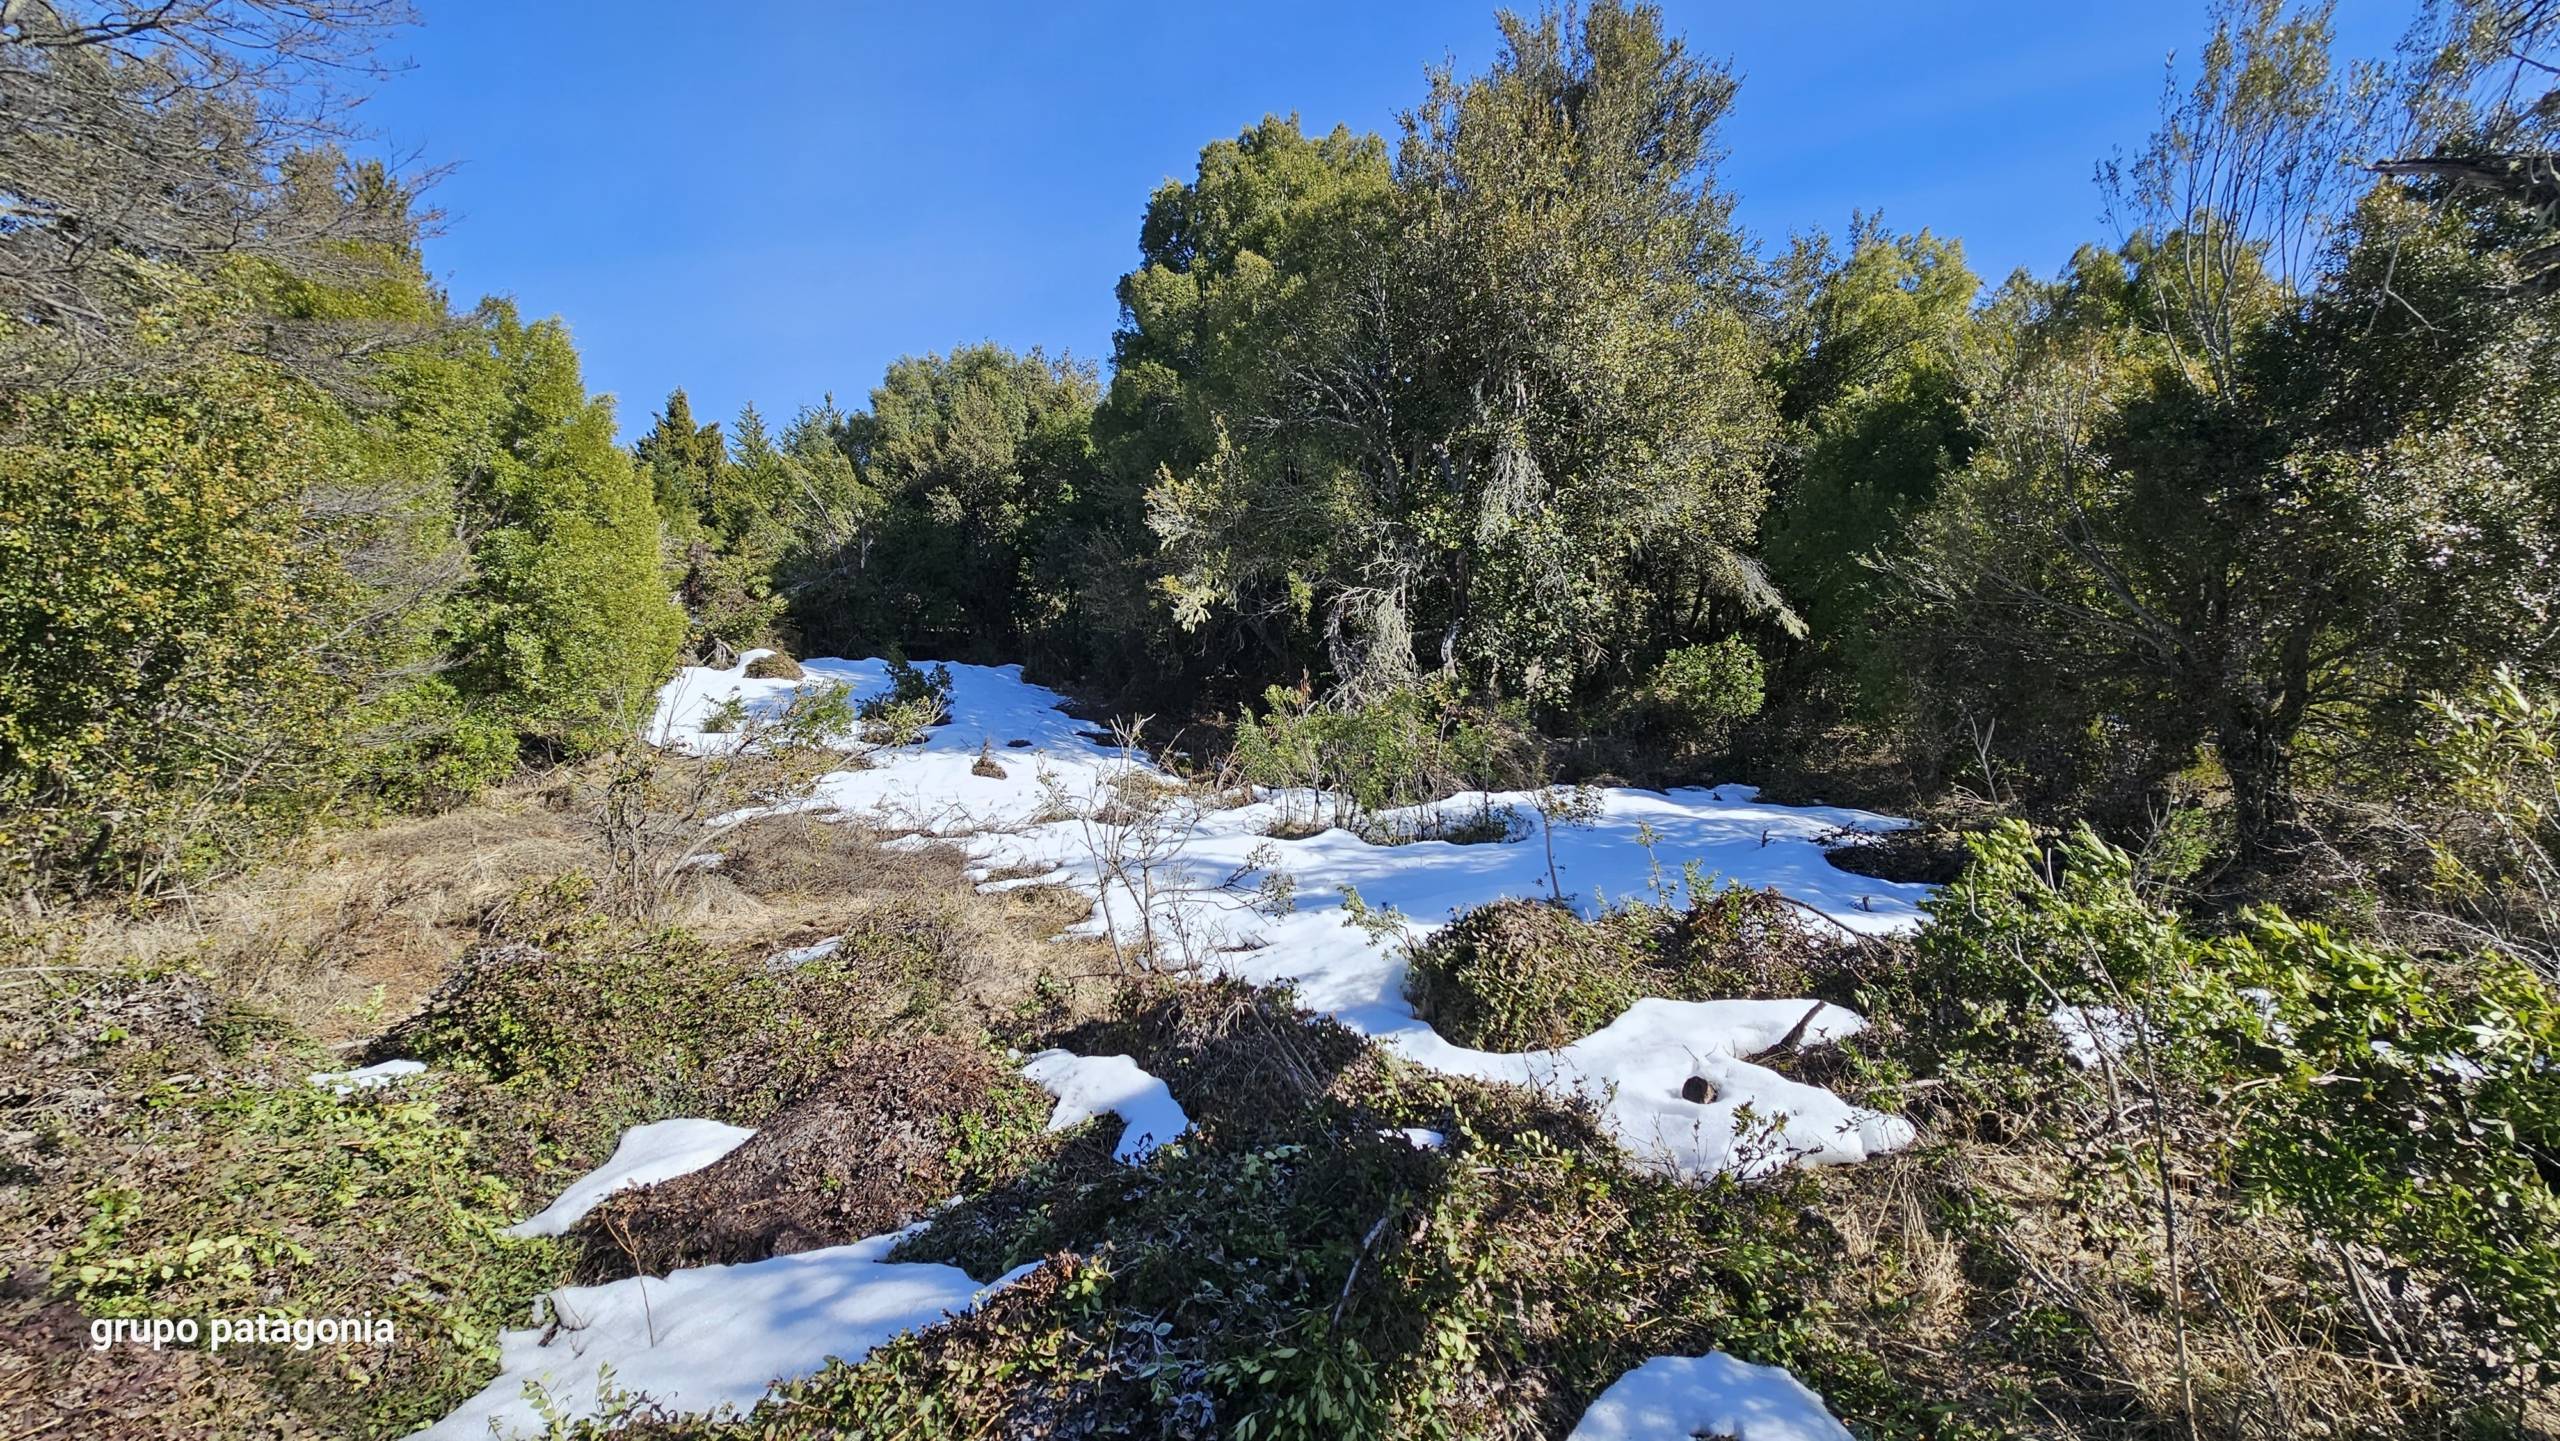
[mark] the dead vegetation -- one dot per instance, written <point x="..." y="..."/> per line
<point x="897" y="1128"/>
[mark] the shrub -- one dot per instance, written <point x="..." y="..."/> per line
<point x="917" y="700"/>
<point x="774" y="665"/>
<point x="2411" y="1107"/>
<point x="1407" y="748"/>
<point x="1522" y="975"/>
<point x="592" y="1025"/>
<point x="2374" y="1097"/>
<point x="1704" y="689"/>
<point x="183" y="1166"/>
<point x="183" y="645"/>
<point x="1315" y="1278"/>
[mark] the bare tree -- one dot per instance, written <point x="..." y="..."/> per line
<point x="148" y="150"/>
<point x="2481" y="86"/>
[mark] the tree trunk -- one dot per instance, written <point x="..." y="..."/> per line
<point x="2257" y="754"/>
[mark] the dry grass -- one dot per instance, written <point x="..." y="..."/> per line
<point x="365" y="924"/>
<point x="1998" y="1269"/>
<point x="354" y="935"/>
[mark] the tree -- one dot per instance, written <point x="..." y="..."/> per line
<point x="563" y="625"/>
<point x="2261" y="509"/>
<point x="1498" y="412"/>
<point x="977" y="458"/>
<point x="183" y="643"/>
<point x="683" y="462"/>
<point x="1874" y="375"/>
<point x="163" y="159"/>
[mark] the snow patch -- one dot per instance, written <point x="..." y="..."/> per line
<point x="712" y="1337"/>
<point x="658" y="1151"/>
<point x="367" y="1078"/>
<point x="1673" y="1398"/>
<point x="800" y="956"/>
<point x="1633" y="1071"/>
<point x="2092" y="1035"/>
<point x="1037" y="826"/>
<point x="1087" y="1086"/>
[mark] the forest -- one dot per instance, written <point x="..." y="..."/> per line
<point x="2197" y="606"/>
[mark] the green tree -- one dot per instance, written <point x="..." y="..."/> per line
<point x="184" y="640"/>
<point x="563" y="625"/>
<point x="2267" y="510"/>
<point x="1874" y="375"/>
<point x="978" y="459"/>
<point x="683" y="462"/>
<point x="1499" y="413"/>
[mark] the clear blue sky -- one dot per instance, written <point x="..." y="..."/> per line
<point x="771" y="200"/>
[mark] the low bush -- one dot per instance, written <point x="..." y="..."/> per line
<point x="901" y="1126"/>
<point x="185" y="1167"/>
<point x="1321" y="1277"/>
<point x="1522" y="975"/>
<point x="1405" y="749"/>
<point x="2283" y="1138"/>
<point x="916" y="701"/>
<point x="774" y="665"/>
<point x="590" y="1025"/>
<point x="1699" y="693"/>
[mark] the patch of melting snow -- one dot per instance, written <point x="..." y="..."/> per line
<point x="800" y="956"/>
<point x="1673" y="1398"/>
<point x="706" y="1338"/>
<point x="2092" y="1034"/>
<point x="1088" y="1086"/>
<point x="658" y="1151"/>
<point x="709" y="1338"/>
<point x="1031" y="825"/>
<point x="367" y="1078"/>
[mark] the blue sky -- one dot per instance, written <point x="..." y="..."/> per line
<point x="772" y="200"/>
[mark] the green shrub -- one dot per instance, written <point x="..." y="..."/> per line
<point x="183" y="645"/>
<point x="1407" y="748"/>
<point x="1322" y="1280"/>
<point x="1704" y="689"/>
<point x="916" y="701"/>
<point x="2409" y="1106"/>
<point x="592" y="1025"/>
<point x="184" y="1167"/>
<point x="2379" y="1097"/>
<point x="287" y="1199"/>
<point x="1522" y="975"/>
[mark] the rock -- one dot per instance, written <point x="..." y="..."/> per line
<point x="1697" y="1090"/>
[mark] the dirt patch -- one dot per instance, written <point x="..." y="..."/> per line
<point x="900" y="1126"/>
<point x="1241" y="1060"/>
<point x="1928" y="855"/>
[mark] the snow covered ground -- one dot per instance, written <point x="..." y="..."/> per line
<point x="659" y="1151"/>
<point x="1203" y="882"/>
<point x="1673" y="1398"/>
<point x="1088" y="1086"/>
<point x="708" y="1337"/>
<point x="368" y="1078"/>
<point x="1194" y="877"/>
